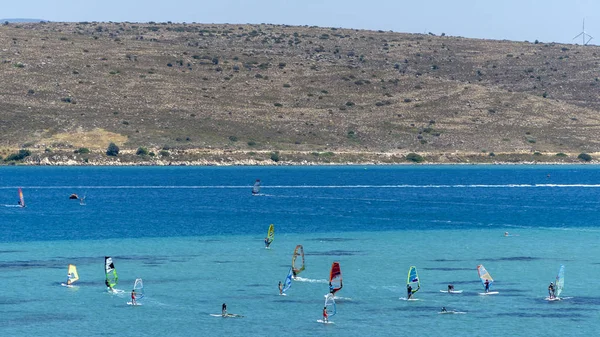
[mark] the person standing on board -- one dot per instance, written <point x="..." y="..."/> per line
<point x="551" y="290"/>
<point x="408" y="291"/>
<point x="133" y="302"/>
<point x="110" y="288"/>
<point x="267" y="242"/>
<point x="280" y="288"/>
<point x="450" y="288"/>
<point x="224" y="310"/>
<point x="487" y="285"/>
<point x="325" y="315"/>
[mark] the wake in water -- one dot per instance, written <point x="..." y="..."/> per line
<point x="302" y="279"/>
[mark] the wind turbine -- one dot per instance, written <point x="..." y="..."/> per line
<point x="584" y="35"/>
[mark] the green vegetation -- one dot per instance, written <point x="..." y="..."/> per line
<point x="82" y="150"/>
<point x="584" y="157"/>
<point x="142" y="151"/>
<point x="112" y="150"/>
<point x="415" y="158"/>
<point x="22" y="154"/>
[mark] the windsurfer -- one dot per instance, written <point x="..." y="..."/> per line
<point x="280" y="288"/>
<point x="110" y="288"/>
<point x="551" y="290"/>
<point x="409" y="291"/>
<point x="325" y="315"/>
<point x="224" y="310"/>
<point x="267" y="242"/>
<point x="293" y="274"/>
<point x="133" y="302"/>
<point x="444" y="309"/>
<point x="450" y="288"/>
<point x="487" y="285"/>
<point x="505" y="233"/>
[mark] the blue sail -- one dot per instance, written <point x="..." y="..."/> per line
<point x="288" y="282"/>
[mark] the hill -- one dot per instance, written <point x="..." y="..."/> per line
<point x="262" y="93"/>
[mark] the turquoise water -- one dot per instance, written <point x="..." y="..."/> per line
<point x="195" y="236"/>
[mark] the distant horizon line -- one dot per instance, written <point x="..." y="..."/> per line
<point x="29" y="20"/>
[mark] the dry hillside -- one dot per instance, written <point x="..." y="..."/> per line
<point x="205" y="92"/>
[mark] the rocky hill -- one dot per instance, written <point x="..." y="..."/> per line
<point x="259" y="94"/>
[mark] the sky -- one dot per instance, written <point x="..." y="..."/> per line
<point x="518" y="20"/>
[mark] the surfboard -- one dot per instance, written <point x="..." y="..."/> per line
<point x="451" y="291"/>
<point x="409" y="299"/>
<point x="553" y="299"/>
<point x="68" y="285"/>
<point x="131" y="303"/>
<point x="324" y="322"/>
<point x="489" y="293"/>
<point x="226" y="315"/>
<point x="450" y="312"/>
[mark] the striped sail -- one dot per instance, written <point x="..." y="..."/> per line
<point x="335" y="278"/>
<point x="413" y="279"/>
<point x="484" y="275"/>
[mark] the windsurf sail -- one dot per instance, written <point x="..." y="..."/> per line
<point x="335" y="278"/>
<point x="72" y="274"/>
<point x="21" y="199"/>
<point x="138" y="287"/>
<point x="560" y="280"/>
<point x="298" y="266"/>
<point x="270" y="235"/>
<point x="110" y="272"/>
<point x="484" y="275"/>
<point x="256" y="187"/>
<point x="330" y="305"/>
<point x="413" y="279"/>
<point x="288" y="282"/>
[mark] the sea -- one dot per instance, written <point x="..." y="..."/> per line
<point x="195" y="236"/>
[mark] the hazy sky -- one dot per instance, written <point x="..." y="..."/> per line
<point x="544" y="20"/>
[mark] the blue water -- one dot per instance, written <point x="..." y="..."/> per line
<point x="194" y="234"/>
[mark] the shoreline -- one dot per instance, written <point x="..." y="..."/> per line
<point x="222" y="157"/>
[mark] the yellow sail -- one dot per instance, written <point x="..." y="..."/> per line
<point x="73" y="275"/>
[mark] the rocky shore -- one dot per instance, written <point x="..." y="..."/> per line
<point x="213" y="157"/>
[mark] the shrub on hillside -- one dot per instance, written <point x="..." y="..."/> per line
<point x="112" y="150"/>
<point x="82" y="150"/>
<point x="142" y="151"/>
<point x="584" y="157"/>
<point x="275" y="156"/>
<point x="18" y="156"/>
<point x="415" y="158"/>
